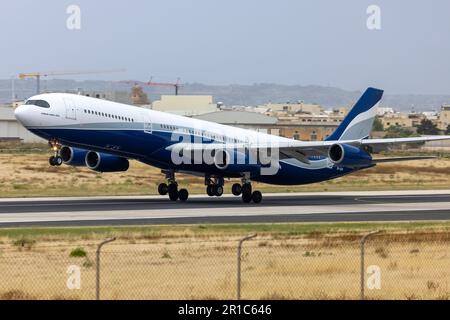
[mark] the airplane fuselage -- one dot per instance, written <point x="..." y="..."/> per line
<point x="144" y="134"/>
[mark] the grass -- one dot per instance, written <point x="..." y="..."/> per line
<point x="23" y="242"/>
<point x="27" y="174"/>
<point x="285" y="261"/>
<point x="78" y="253"/>
<point x="157" y="232"/>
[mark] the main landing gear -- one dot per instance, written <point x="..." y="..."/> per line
<point x="171" y="188"/>
<point x="246" y="191"/>
<point x="214" y="188"/>
<point x="55" y="160"/>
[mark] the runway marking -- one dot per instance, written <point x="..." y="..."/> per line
<point x="223" y="212"/>
<point x="286" y="207"/>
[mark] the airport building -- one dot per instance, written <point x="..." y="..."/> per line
<point x="298" y="107"/>
<point x="185" y="105"/>
<point x="290" y="128"/>
<point x="116" y="96"/>
<point x="11" y="130"/>
<point x="243" y="119"/>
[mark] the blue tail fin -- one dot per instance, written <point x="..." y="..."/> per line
<point x="359" y="121"/>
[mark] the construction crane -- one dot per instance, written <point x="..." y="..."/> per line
<point x="176" y="84"/>
<point x="150" y="83"/>
<point x="39" y="75"/>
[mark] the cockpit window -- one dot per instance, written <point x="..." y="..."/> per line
<point x="39" y="103"/>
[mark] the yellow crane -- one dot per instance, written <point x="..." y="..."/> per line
<point x="39" y="75"/>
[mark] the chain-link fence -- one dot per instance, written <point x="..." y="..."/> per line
<point x="316" y="266"/>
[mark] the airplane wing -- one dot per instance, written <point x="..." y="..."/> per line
<point x="317" y="146"/>
<point x="302" y="150"/>
<point x="395" y="159"/>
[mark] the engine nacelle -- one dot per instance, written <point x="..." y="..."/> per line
<point x="349" y="156"/>
<point x="233" y="161"/>
<point x="104" y="162"/>
<point x="73" y="156"/>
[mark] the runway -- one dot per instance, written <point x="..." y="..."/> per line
<point x="301" y="207"/>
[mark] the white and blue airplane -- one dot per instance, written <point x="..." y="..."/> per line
<point x="104" y="135"/>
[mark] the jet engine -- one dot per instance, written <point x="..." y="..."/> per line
<point x="349" y="156"/>
<point x="73" y="156"/>
<point x="104" y="162"/>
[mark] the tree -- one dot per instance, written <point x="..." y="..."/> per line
<point x="398" y="132"/>
<point x="377" y="125"/>
<point x="427" y="127"/>
<point x="448" y="130"/>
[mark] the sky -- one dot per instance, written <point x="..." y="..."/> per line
<point x="321" y="42"/>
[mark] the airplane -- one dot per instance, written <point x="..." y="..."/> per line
<point x="104" y="135"/>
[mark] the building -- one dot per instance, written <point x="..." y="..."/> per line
<point x="12" y="130"/>
<point x="116" y="96"/>
<point x="186" y="105"/>
<point x="138" y="96"/>
<point x="398" y="119"/>
<point x="443" y="120"/>
<point x="298" y="107"/>
<point x="289" y="127"/>
<point x="381" y="111"/>
<point x="243" y="119"/>
<point x="306" y="132"/>
<point x="340" y="112"/>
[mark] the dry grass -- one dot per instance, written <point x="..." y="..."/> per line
<point x="28" y="175"/>
<point x="414" y="265"/>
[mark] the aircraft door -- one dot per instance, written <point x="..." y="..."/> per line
<point x="147" y="122"/>
<point x="71" y="111"/>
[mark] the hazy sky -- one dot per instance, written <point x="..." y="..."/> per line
<point x="236" y="41"/>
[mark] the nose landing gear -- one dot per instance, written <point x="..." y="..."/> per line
<point x="55" y="160"/>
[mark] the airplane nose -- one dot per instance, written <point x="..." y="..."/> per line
<point x="20" y="114"/>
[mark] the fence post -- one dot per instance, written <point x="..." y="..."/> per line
<point x="238" y="289"/>
<point x="363" y="242"/>
<point x="97" y="275"/>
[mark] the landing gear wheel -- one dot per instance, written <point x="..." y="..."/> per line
<point x="210" y="190"/>
<point x="256" y="196"/>
<point x="247" y="192"/>
<point x="218" y="190"/>
<point x="183" y="194"/>
<point x="163" y="189"/>
<point x="55" y="161"/>
<point x="236" y="189"/>
<point x="246" y="188"/>
<point x="173" y="192"/>
<point x="246" y="197"/>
